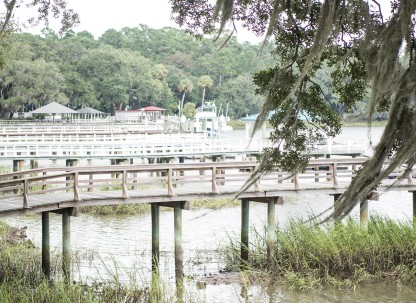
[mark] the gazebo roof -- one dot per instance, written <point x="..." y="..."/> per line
<point x="151" y="109"/>
<point x="89" y="110"/>
<point x="53" y="108"/>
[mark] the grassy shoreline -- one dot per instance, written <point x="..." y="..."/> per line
<point x="340" y="255"/>
<point x="138" y="209"/>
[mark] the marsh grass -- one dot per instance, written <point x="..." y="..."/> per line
<point x="340" y="254"/>
<point x="21" y="280"/>
<point x="138" y="209"/>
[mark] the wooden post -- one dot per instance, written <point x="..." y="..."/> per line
<point x="178" y="244"/>
<point x="271" y="231"/>
<point x="70" y="163"/>
<point x="214" y="180"/>
<point x="155" y="237"/>
<point x="46" y="256"/>
<point x="373" y="196"/>
<point x="414" y="206"/>
<point x="170" y="185"/>
<point x="201" y="159"/>
<point x="33" y="162"/>
<point x="17" y="166"/>
<point x="66" y="245"/>
<point x="334" y="175"/>
<point x="181" y="160"/>
<point x="245" y="209"/>
<point x="336" y="205"/>
<point x="364" y="214"/>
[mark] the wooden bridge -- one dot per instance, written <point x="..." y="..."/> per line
<point x="104" y="143"/>
<point x="63" y="190"/>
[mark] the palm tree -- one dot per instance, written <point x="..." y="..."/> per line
<point x="205" y="82"/>
<point x="185" y="86"/>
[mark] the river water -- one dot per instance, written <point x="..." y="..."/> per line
<point x="107" y="244"/>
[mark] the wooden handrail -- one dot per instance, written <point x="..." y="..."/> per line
<point x="82" y="179"/>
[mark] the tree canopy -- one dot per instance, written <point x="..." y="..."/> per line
<point x="368" y="45"/>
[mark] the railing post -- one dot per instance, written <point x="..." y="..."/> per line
<point x="76" y="187"/>
<point x="410" y="179"/>
<point x="334" y="175"/>
<point x="124" y="186"/>
<point x="296" y="180"/>
<point x="170" y="186"/>
<point x="25" y="193"/>
<point x="90" y="183"/>
<point x="257" y="185"/>
<point x="214" y="180"/>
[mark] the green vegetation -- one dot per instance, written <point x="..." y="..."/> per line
<point x="340" y="255"/>
<point x="137" y="209"/>
<point x="130" y="68"/>
<point x="21" y="280"/>
<point x="118" y="209"/>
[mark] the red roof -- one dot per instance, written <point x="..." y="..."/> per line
<point x="151" y="109"/>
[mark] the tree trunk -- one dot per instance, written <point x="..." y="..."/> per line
<point x="181" y="105"/>
<point x="203" y="96"/>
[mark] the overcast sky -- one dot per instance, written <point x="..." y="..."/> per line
<point x="99" y="15"/>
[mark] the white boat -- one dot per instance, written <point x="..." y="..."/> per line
<point x="206" y="119"/>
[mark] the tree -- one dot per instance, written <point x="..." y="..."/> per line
<point x="185" y="86"/>
<point x="189" y="110"/>
<point x="366" y="48"/>
<point x="205" y="82"/>
<point x="26" y="83"/>
<point x="45" y="8"/>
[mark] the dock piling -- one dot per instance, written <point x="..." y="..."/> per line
<point x="155" y="236"/>
<point x="46" y="256"/>
<point x="177" y="212"/>
<point x="66" y="245"/>
<point x="245" y="209"/>
<point x="271" y="231"/>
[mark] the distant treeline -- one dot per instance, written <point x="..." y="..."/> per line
<point x="133" y="68"/>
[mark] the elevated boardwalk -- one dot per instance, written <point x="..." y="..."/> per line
<point x="51" y="189"/>
<point x="63" y="190"/>
<point x="107" y="144"/>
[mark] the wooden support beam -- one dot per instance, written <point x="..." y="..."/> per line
<point x="185" y="205"/>
<point x="271" y="232"/>
<point x="276" y="200"/>
<point x="73" y="211"/>
<point x="245" y="209"/>
<point x="46" y="255"/>
<point x="413" y="204"/>
<point x="66" y="245"/>
<point x="364" y="214"/>
<point x="336" y="206"/>
<point x="177" y="211"/>
<point x="155" y="237"/>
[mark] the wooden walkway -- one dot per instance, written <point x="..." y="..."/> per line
<point x="51" y="189"/>
<point x="105" y="143"/>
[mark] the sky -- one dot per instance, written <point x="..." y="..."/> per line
<point x="99" y="15"/>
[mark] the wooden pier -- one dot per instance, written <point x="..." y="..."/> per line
<point x="64" y="189"/>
